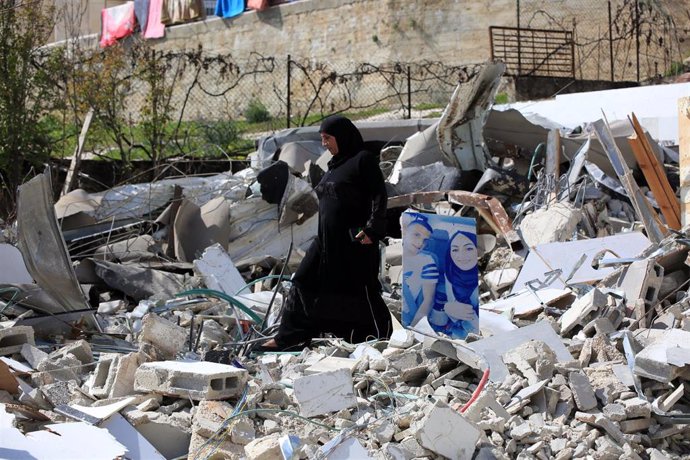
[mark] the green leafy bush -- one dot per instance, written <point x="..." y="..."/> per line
<point x="257" y="112"/>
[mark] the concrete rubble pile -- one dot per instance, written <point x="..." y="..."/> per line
<point x="128" y="316"/>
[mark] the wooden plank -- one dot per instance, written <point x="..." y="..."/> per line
<point x="684" y="144"/>
<point x="76" y="158"/>
<point x="655" y="176"/>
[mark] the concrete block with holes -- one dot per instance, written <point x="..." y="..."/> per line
<point x="641" y="281"/>
<point x="13" y="338"/>
<point x="114" y="375"/>
<point x="194" y="379"/>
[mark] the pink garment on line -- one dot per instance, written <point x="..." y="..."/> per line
<point x="117" y="22"/>
<point x="258" y="5"/>
<point x="155" y="27"/>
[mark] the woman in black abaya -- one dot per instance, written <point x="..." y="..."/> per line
<point x="336" y="287"/>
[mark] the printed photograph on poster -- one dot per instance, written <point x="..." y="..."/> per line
<point x="440" y="277"/>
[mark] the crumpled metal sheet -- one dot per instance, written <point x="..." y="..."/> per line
<point x="139" y="200"/>
<point x="138" y="281"/>
<point x="43" y="248"/>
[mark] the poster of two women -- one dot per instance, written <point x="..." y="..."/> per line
<point x="440" y="278"/>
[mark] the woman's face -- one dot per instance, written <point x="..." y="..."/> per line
<point x="463" y="252"/>
<point x="330" y="143"/>
<point x="415" y="237"/>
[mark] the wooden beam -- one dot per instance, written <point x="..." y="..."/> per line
<point x="655" y="175"/>
<point x="684" y="144"/>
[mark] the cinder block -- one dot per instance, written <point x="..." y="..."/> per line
<point x="114" y="375"/>
<point x="195" y="379"/>
<point x="13" y="338"/>
<point x="446" y="432"/>
<point x="167" y="337"/>
<point x="325" y="392"/>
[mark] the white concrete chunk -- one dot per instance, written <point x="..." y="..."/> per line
<point x="446" y="432"/>
<point x="325" y="392"/>
<point x="581" y="308"/>
<point x="331" y="363"/>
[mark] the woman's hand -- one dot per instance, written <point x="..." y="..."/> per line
<point x="458" y="311"/>
<point x="363" y="238"/>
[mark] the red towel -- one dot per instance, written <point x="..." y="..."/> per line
<point x="118" y="22"/>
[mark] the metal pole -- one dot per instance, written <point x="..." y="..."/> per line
<point x="519" y="69"/>
<point x="611" y="41"/>
<point x="409" y="93"/>
<point x="288" y="90"/>
<point x="637" y="37"/>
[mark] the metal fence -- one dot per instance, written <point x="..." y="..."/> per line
<point x="617" y="40"/>
<point x="198" y="94"/>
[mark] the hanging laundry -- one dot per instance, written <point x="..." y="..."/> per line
<point x="117" y="22"/>
<point x="141" y="11"/>
<point x="229" y="8"/>
<point x="258" y="5"/>
<point x="182" y="11"/>
<point x="154" y="26"/>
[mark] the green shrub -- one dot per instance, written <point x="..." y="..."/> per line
<point x="257" y="112"/>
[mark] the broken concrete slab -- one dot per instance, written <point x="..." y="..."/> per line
<point x="566" y="256"/>
<point x="583" y="393"/>
<point x="195" y="379"/>
<point x="493" y="348"/>
<point x="446" y="432"/>
<point x="653" y="363"/>
<point x="325" y="392"/>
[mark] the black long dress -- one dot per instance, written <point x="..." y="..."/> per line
<point x="336" y="287"/>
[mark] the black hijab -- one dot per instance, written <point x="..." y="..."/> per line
<point x="347" y="136"/>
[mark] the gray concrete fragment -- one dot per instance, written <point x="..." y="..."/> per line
<point x="81" y="350"/>
<point x="583" y="393"/>
<point x="32" y="355"/>
<point x="168" y="338"/>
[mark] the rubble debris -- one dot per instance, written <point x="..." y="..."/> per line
<point x="145" y="349"/>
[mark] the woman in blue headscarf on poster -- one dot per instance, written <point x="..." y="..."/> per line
<point x="458" y="292"/>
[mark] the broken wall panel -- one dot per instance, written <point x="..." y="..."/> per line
<point x="43" y="247"/>
<point x="460" y="130"/>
